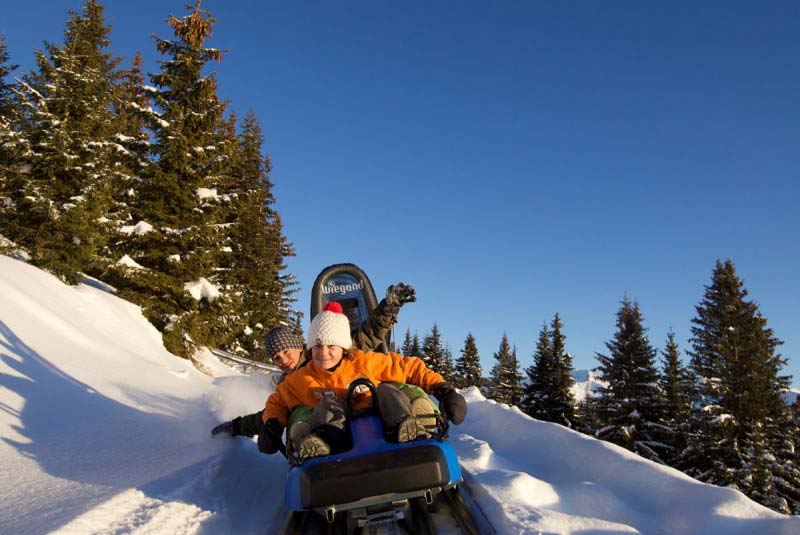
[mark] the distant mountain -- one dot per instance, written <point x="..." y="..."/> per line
<point x="587" y="384"/>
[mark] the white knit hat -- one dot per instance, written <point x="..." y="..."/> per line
<point x="330" y="327"/>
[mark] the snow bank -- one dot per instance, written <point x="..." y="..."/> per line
<point x="104" y="431"/>
<point x="541" y="477"/>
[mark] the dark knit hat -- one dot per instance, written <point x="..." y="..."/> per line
<point x="281" y="338"/>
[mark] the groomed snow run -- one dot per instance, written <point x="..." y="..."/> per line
<point x="104" y="431"/>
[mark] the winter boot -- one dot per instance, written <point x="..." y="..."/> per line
<point x="410" y="429"/>
<point x="425" y="413"/>
<point x="312" y="445"/>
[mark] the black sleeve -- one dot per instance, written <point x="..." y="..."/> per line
<point x="250" y="425"/>
<point x="375" y="331"/>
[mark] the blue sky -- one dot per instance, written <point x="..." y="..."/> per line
<point x="511" y="160"/>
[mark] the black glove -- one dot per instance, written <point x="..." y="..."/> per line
<point x="230" y="428"/>
<point x="399" y="294"/>
<point x="451" y="403"/>
<point x="270" y="437"/>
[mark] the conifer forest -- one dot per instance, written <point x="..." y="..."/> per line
<point x="148" y="183"/>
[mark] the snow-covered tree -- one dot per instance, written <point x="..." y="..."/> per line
<point x="676" y="384"/>
<point x="739" y="424"/>
<point x="416" y="345"/>
<point x="434" y="354"/>
<point x="505" y="384"/>
<point x="179" y="223"/>
<point x="254" y="265"/>
<point x="548" y="395"/>
<point x="64" y="190"/>
<point x="11" y="142"/>
<point x="131" y="102"/>
<point x="631" y="408"/>
<point x="468" y="371"/>
<point x="6" y="68"/>
<point x="405" y="348"/>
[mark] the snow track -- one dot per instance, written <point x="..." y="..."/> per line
<point x="103" y="431"/>
<point x="134" y="512"/>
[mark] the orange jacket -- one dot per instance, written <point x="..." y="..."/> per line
<point x="310" y="383"/>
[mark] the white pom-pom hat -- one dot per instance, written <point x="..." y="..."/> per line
<point x="330" y="327"/>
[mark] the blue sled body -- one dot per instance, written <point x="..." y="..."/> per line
<point x="373" y="472"/>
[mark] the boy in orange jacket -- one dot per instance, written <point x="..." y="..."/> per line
<point x="322" y="386"/>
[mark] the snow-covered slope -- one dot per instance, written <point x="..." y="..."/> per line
<point x="103" y="431"/>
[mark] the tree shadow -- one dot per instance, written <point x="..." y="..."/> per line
<point x="77" y="434"/>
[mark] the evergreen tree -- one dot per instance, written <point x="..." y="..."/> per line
<point x="548" y="395"/>
<point x="505" y="385"/>
<point x="181" y="215"/>
<point x="65" y="188"/>
<point x="563" y="400"/>
<point x="676" y="383"/>
<point x="11" y="143"/>
<point x="433" y="352"/>
<point x="405" y="349"/>
<point x="540" y="375"/>
<point x="631" y="408"/>
<point x="6" y="89"/>
<point x="132" y="141"/>
<point x="468" y="371"/>
<point x="416" y="346"/>
<point x="740" y="422"/>
<point x="257" y="248"/>
<point x="447" y="363"/>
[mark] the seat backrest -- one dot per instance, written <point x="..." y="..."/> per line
<point x="348" y="285"/>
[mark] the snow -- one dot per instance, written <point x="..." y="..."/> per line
<point x="202" y="289"/>
<point x="586" y="383"/>
<point x="142" y="227"/>
<point x="104" y="431"/>
<point x="130" y="262"/>
<point x="207" y="193"/>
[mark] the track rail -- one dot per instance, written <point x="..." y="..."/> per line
<point x="219" y="353"/>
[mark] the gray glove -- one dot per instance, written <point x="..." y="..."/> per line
<point x="399" y="294"/>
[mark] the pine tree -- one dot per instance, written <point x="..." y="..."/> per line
<point x="505" y="384"/>
<point x="11" y="143"/>
<point x="67" y="121"/>
<point x="676" y="383"/>
<point x="564" y="401"/>
<point x="257" y="248"/>
<point x="631" y="408"/>
<point x="540" y="375"/>
<point x="6" y="90"/>
<point x="132" y="141"/>
<point x="433" y="352"/>
<point x="548" y="395"/>
<point x="416" y="346"/>
<point x="468" y="371"/>
<point x="405" y="349"/>
<point x="740" y="421"/>
<point x="447" y="363"/>
<point x="181" y="216"/>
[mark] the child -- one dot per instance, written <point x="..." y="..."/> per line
<point x="321" y="386"/>
<point x="285" y="348"/>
